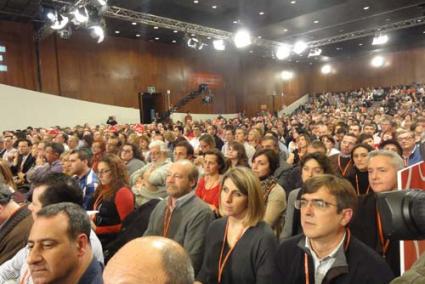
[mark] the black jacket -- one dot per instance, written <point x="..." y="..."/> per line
<point x="363" y="265"/>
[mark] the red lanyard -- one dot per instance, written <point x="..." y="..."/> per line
<point x="384" y="243"/>
<point x="358" y="188"/>
<point x="167" y="221"/>
<point x="343" y="172"/>
<point x="307" y="275"/>
<point x="221" y="262"/>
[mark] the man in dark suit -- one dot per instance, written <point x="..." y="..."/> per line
<point x="23" y="161"/>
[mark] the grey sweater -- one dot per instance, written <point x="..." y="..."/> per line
<point x="189" y="224"/>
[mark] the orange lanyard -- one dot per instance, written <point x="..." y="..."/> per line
<point x="384" y="243"/>
<point x="167" y="221"/>
<point x="307" y="275"/>
<point x="358" y="188"/>
<point x="343" y="172"/>
<point x="221" y="262"/>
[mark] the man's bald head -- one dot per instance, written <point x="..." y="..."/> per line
<point x="150" y="260"/>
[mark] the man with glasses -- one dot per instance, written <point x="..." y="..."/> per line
<point x="327" y="252"/>
<point x="411" y="151"/>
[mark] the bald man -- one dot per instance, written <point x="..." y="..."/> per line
<point x="167" y="263"/>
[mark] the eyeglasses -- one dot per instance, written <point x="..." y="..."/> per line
<point x="405" y="138"/>
<point x="103" y="172"/>
<point x="316" y="203"/>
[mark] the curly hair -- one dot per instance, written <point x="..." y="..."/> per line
<point x="119" y="174"/>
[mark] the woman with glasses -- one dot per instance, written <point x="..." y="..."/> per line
<point x="264" y="163"/>
<point x="312" y="165"/>
<point x="114" y="200"/>
<point x="131" y="157"/>
<point x="240" y="247"/>
<point x="360" y="177"/>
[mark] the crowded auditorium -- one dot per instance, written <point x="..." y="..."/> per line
<point x="212" y="141"/>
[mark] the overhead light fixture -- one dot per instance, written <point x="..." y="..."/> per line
<point x="316" y="21"/>
<point x="242" y="39"/>
<point x="157" y="38"/>
<point x="175" y="31"/>
<point x="173" y="41"/>
<point x="380" y="39"/>
<point x="97" y="31"/>
<point x="192" y="42"/>
<point x="377" y="61"/>
<point x="134" y="23"/>
<point x="314" y="52"/>
<point x="261" y="13"/>
<point x="117" y="32"/>
<point x="214" y="6"/>
<point x="287" y="75"/>
<point x="137" y="35"/>
<point x="326" y="69"/>
<point x="300" y="47"/>
<point x="60" y="24"/>
<point x="81" y="16"/>
<point x="155" y="27"/>
<point x="219" y="44"/>
<point x="293" y="2"/>
<point x="102" y="2"/>
<point x="283" y="51"/>
<point x="366" y="8"/>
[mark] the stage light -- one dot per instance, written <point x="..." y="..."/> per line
<point x="314" y="52"/>
<point x="283" y="51"/>
<point x="80" y="18"/>
<point x="242" y="39"/>
<point x="287" y="75"/>
<point x="219" y="44"/>
<point x="102" y="2"/>
<point x="378" y="61"/>
<point x="300" y="47"/>
<point x="60" y="24"/>
<point x="97" y="32"/>
<point x="51" y="16"/>
<point x="326" y="69"/>
<point x="192" y="42"/>
<point x="380" y="39"/>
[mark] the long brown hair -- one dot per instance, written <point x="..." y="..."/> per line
<point x="6" y="174"/>
<point x="119" y="174"/>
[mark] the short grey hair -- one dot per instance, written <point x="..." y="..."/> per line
<point x="161" y="144"/>
<point x="396" y="160"/>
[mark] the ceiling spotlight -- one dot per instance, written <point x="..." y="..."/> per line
<point x="300" y="47"/>
<point x="366" y="8"/>
<point x="260" y="37"/>
<point x="326" y="69"/>
<point x="287" y="75"/>
<point x="261" y="13"/>
<point x="134" y="23"/>
<point x="97" y="31"/>
<point x="219" y="44"/>
<point x="80" y="17"/>
<point x="285" y="30"/>
<point x="283" y="51"/>
<point x="214" y="6"/>
<point x="173" y="41"/>
<point x="195" y="1"/>
<point x="137" y="35"/>
<point x="235" y="22"/>
<point x="102" y="2"/>
<point x="155" y="28"/>
<point x="316" y="21"/>
<point x="293" y="2"/>
<point x="117" y="32"/>
<point x="60" y="24"/>
<point x="377" y="61"/>
<point x="314" y="52"/>
<point x="192" y="42"/>
<point x="380" y="39"/>
<point x="242" y="39"/>
<point x="175" y="31"/>
<point x="51" y="16"/>
<point x="157" y="38"/>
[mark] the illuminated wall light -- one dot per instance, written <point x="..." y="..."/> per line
<point x="380" y="39"/>
<point x="242" y="39"/>
<point x="219" y="44"/>
<point x="300" y="47"/>
<point x="2" y="48"/>
<point x="377" y="61"/>
<point x="326" y="69"/>
<point x="283" y="51"/>
<point x="287" y="75"/>
<point x="3" y="68"/>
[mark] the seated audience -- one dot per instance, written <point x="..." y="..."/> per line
<point x="236" y="154"/>
<point x="131" y="157"/>
<point x="359" y="177"/>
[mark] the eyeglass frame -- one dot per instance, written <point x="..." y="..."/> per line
<point x="314" y="202"/>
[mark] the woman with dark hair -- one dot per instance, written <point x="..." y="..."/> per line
<point x="329" y="142"/>
<point x="313" y="164"/>
<point x="114" y="200"/>
<point x="264" y="163"/>
<point x="360" y="177"/>
<point x="208" y="188"/>
<point x="98" y="149"/>
<point x="131" y="157"/>
<point x="240" y="247"/>
<point x="302" y="142"/>
<point x="237" y="155"/>
<point x="391" y="145"/>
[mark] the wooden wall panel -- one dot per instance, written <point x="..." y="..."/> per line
<point x="19" y="56"/>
